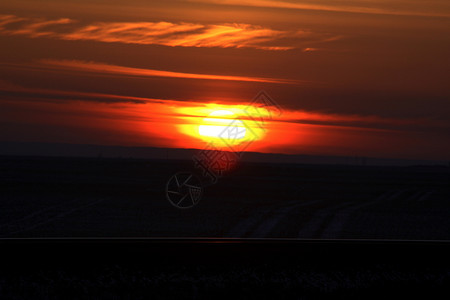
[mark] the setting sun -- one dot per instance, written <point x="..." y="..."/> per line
<point x="221" y="124"/>
<point x="224" y="126"/>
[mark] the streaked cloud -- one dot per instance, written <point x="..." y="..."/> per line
<point x="360" y="7"/>
<point x="121" y="70"/>
<point x="194" y="110"/>
<point x="363" y="121"/>
<point x="95" y="118"/>
<point x="10" y="91"/>
<point x="36" y="28"/>
<point x="231" y="35"/>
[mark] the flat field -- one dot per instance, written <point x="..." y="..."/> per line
<point x="83" y="197"/>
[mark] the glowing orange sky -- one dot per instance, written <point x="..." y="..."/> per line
<point x="365" y="78"/>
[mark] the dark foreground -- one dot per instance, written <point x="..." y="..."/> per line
<point x="353" y="231"/>
<point x="66" y="197"/>
<point x="210" y="269"/>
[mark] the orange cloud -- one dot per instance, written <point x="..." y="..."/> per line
<point x="368" y="8"/>
<point x="36" y="28"/>
<point x="165" y="33"/>
<point x="121" y="70"/>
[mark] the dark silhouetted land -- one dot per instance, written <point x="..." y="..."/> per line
<point x="106" y="197"/>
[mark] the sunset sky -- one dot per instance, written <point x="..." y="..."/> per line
<point x="353" y="77"/>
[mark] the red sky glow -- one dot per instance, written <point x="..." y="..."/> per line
<point x="351" y="78"/>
